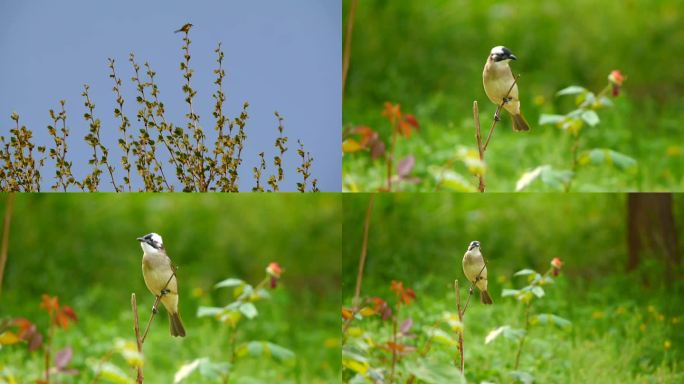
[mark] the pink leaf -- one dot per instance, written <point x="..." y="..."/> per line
<point x="406" y="325"/>
<point x="405" y="166"/>
<point x="63" y="357"/>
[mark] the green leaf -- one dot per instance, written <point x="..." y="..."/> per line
<point x="231" y="282"/>
<point x="209" y="311"/>
<point x="509" y="292"/>
<point x="249" y="310"/>
<point x="507" y="332"/>
<point x="590" y="117"/>
<point x="553" y="178"/>
<point x="110" y="373"/>
<point x="186" y="369"/>
<point x="265" y="349"/>
<point x="524" y="272"/>
<point x="433" y="372"/>
<point x="522" y="377"/>
<point x="548" y="318"/>
<point x="550" y="119"/>
<point x="451" y="180"/>
<point x="538" y="291"/>
<point x="604" y="156"/>
<point x="571" y="90"/>
<point x="441" y="337"/>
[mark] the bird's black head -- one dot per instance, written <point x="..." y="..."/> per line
<point x="473" y="245"/>
<point x="153" y="240"/>
<point x="501" y="53"/>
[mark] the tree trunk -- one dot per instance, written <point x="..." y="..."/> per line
<point x="652" y="230"/>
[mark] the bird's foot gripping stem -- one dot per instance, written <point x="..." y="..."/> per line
<point x="496" y="117"/>
<point x="506" y="100"/>
<point x="164" y="292"/>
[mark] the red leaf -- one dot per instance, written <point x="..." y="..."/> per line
<point x="69" y="312"/>
<point x="411" y="120"/>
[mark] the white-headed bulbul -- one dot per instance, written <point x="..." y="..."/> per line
<point x="476" y="271"/>
<point x="497" y="78"/>
<point x="157" y="272"/>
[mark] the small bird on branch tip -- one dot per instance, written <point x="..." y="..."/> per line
<point x="160" y="277"/>
<point x="498" y="78"/>
<point x="475" y="270"/>
<point x="185" y="28"/>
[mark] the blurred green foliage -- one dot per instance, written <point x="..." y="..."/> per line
<point x="622" y="321"/>
<point x="428" y="56"/>
<point x="83" y="249"/>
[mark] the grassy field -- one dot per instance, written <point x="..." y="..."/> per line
<point x="428" y="58"/>
<point x="83" y="249"/>
<point x="624" y="327"/>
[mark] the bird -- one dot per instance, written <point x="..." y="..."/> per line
<point x="497" y="78"/>
<point x="160" y="278"/>
<point x="475" y="269"/>
<point x="185" y="28"/>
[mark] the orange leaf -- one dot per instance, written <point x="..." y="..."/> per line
<point x="49" y="303"/>
<point x="392" y="112"/>
<point x="347" y="313"/>
<point x="367" y="135"/>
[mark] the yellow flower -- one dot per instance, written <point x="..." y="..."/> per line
<point x="667" y="344"/>
<point x="197" y="292"/>
<point x="651" y="309"/>
<point x="661" y="317"/>
<point x="642" y="327"/>
<point x="539" y="100"/>
<point x="332" y="342"/>
<point x="598" y="315"/>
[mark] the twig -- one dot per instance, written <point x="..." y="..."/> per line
<point x="478" y="136"/>
<point x="477" y="278"/>
<point x="140" y="378"/>
<point x="154" y="307"/>
<point x="457" y="290"/>
<point x="362" y="263"/>
<point x="5" y="235"/>
<point x="522" y="339"/>
<point x="394" y="346"/>
<point x="347" y="43"/>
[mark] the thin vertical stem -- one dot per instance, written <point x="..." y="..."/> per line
<point x="9" y="204"/>
<point x="347" y="43"/>
<point x="522" y="339"/>
<point x="140" y="378"/>
<point x="457" y="290"/>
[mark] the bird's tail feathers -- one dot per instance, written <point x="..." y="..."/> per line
<point x="485" y="298"/>
<point x="176" y="325"/>
<point x="519" y="123"/>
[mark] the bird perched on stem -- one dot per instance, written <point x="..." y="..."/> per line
<point x="185" y="28"/>
<point x="475" y="269"/>
<point x="160" y="277"/>
<point x="498" y="79"/>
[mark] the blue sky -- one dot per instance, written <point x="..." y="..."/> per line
<point x="279" y="55"/>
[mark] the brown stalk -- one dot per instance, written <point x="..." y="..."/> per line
<point x="140" y="378"/>
<point x="362" y="263"/>
<point x="5" y="235"/>
<point x="347" y="43"/>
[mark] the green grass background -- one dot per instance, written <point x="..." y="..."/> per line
<point x="428" y="56"/>
<point x="621" y="321"/>
<point x="83" y="249"/>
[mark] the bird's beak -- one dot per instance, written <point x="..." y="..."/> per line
<point x="512" y="57"/>
<point x="141" y="239"/>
